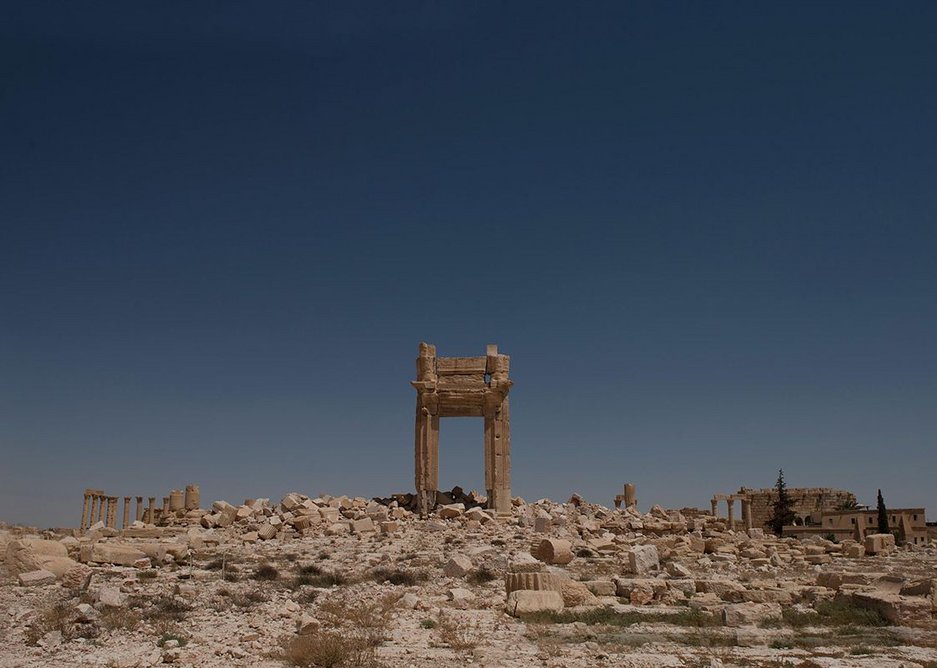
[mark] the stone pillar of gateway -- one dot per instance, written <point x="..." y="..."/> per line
<point x="463" y="387"/>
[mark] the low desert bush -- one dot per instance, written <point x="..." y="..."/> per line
<point x="316" y="577"/>
<point x="482" y="575"/>
<point x="399" y="576"/>
<point x="265" y="572"/>
<point x="249" y="598"/>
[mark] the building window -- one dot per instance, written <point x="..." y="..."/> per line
<point x="853" y="520"/>
<point x="914" y="517"/>
<point x="870" y="519"/>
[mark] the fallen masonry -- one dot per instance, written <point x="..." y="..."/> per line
<point x="548" y="583"/>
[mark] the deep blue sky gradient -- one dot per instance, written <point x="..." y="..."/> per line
<point x="706" y="233"/>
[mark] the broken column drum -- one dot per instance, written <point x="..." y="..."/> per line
<point x="191" y="497"/>
<point x="176" y="500"/>
<point x="463" y="387"/>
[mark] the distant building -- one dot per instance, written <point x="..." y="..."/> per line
<point x="907" y="523"/>
<point x="757" y="505"/>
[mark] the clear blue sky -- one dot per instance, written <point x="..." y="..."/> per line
<point x="706" y="233"/>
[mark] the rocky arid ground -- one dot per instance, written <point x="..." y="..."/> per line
<point x="351" y="582"/>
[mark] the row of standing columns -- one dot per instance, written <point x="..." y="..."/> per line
<point x="730" y="500"/>
<point x="100" y="507"/>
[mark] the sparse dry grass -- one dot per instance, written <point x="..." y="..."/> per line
<point x="160" y="607"/>
<point x="350" y="635"/>
<point x="330" y="649"/>
<point x="119" y="619"/>
<point x="459" y="635"/>
<point x="836" y="612"/>
<point x="54" y="615"/>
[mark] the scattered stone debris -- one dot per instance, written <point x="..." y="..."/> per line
<point x="265" y="583"/>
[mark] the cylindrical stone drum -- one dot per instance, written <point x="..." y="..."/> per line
<point x="176" y="500"/>
<point x="191" y="497"/>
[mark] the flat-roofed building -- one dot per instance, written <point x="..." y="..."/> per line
<point x="908" y="523"/>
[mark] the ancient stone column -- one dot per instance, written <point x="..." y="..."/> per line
<point x="498" y="458"/>
<point x="747" y="513"/>
<point x="112" y="512"/>
<point x="631" y="499"/>
<point x="731" y="502"/>
<point x="498" y="432"/>
<point x="94" y="509"/>
<point x="84" y="510"/>
<point x="102" y="502"/>
<point x="191" y="497"/>
<point x="126" y="522"/>
<point x="426" y="445"/>
<point x="715" y="505"/>
<point x="151" y="510"/>
<point x="427" y="458"/>
<point x="139" y="509"/>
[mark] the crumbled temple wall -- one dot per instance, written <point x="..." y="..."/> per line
<point x="808" y="501"/>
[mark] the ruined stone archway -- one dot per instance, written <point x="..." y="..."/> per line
<point x="463" y="387"/>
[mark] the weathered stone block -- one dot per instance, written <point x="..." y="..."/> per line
<point x="115" y="553"/>
<point x="879" y="543"/>
<point x="575" y="593"/>
<point x="35" y="578"/>
<point x="458" y="566"/>
<point x="525" y="601"/>
<point x="643" y="559"/>
<point x="855" y="551"/>
<point x="749" y="614"/>
<point x="554" y="551"/>
<point x="365" y="525"/>
<point x="601" y="587"/>
<point x="111" y="597"/>
<point x="34" y="554"/>
<point x="452" y="511"/>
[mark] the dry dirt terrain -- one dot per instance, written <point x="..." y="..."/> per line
<point x="334" y="581"/>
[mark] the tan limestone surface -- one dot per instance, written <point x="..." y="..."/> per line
<point x="461" y="590"/>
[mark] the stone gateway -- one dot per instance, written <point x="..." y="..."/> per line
<point x="463" y="387"/>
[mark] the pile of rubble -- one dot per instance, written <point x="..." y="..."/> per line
<point x="546" y="558"/>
